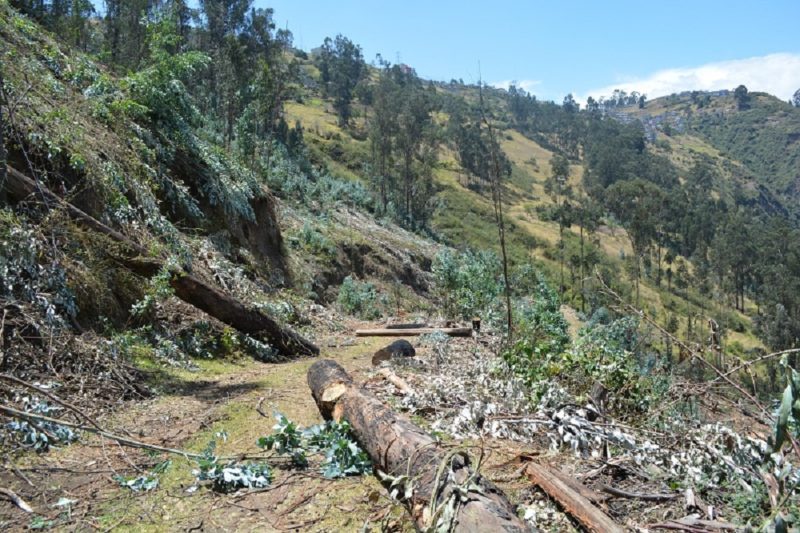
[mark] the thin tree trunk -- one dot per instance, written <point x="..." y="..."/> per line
<point x="497" y="200"/>
<point x="3" y="154"/>
<point x="582" y="274"/>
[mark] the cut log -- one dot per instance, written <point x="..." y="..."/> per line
<point x="187" y="287"/>
<point x="439" y="479"/>
<point x="406" y="326"/>
<point x="388" y="332"/>
<point x="570" y="500"/>
<point x="399" y="348"/>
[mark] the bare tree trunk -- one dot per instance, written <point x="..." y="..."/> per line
<point x="3" y="154"/>
<point x="188" y="288"/>
<point x="582" y="274"/>
<point x="441" y="480"/>
<point x="497" y="201"/>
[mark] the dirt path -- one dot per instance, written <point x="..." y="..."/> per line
<point x="194" y="408"/>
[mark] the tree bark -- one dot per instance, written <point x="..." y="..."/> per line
<point x="391" y="332"/>
<point x="187" y="287"/>
<point x="399" y="448"/>
<point x="571" y="500"/>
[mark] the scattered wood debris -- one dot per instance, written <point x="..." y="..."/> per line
<point x="438" y="487"/>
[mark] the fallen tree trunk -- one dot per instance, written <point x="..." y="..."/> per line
<point x="444" y="490"/>
<point x="570" y="500"/>
<point x="399" y="332"/>
<point x="187" y="287"/>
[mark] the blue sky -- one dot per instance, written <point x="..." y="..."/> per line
<point x="553" y="48"/>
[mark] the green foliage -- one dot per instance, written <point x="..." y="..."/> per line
<point x="787" y="420"/>
<point x="404" y="142"/>
<point x="343" y="456"/>
<point x="296" y="181"/>
<point x="541" y="336"/>
<point x="359" y="299"/>
<point x="41" y="435"/>
<point x="26" y="274"/>
<point x="232" y="475"/>
<point x="286" y="439"/>
<point x="159" y="87"/>
<point x="158" y="290"/>
<point x="469" y="284"/>
<point x="313" y="241"/>
<point x="144" y="482"/>
<point x="606" y="352"/>
<point x="341" y="66"/>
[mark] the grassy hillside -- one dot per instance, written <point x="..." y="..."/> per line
<point x="179" y="205"/>
<point x="757" y="147"/>
<point x="465" y="218"/>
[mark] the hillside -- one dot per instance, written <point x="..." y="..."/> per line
<point x="196" y="218"/>
<point x="757" y="146"/>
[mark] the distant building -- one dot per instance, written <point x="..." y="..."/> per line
<point x="405" y="69"/>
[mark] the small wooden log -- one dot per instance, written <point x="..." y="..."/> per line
<point x="571" y="501"/>
<point x="638" y="495"/>
<point x="406" y="326"/>
<point x="401" y="384"/>
<point x="187" y="287"/>
<point x="388" y="332"/>
<point x="399" y="448"/>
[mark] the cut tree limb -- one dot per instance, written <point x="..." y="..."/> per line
<point x="15" y="499"/>
<point x="187" y="287"/>
<point x="402" y="385"/>
<point x="391" y="332"/>
<point x="442" y="480"/>
<point x="570" y="500"/>
<point x="637" y="495"/>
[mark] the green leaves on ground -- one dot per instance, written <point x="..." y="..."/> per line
<point x="232" y="475"/>
<point x="343" y="456"/>
<point x="145" y="482"/>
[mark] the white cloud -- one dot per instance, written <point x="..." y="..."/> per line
<point x="528" y="85"/>
<point x="777" y="74"/>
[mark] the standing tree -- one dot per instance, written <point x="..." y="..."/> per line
<point x="381" y="128"/>
<point x="638" y="205"/>
<point x="497" y="175"/>
<point x="557" y="186"/>
<point x="403" y="141"/>
<point x="796" y="98"/>
<point x="587" y="216"/>
<point x="742" y="97"/>
<point x="341" y="66"/>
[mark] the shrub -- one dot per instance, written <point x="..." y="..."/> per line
<point x="541" y="335"/>
<point x="469" y="284"/>
<point x="359" y="299"/>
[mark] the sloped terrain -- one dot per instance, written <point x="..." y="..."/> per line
<point x="125" y="407"/>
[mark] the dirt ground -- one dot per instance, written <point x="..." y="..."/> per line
<point x="192" y="408"/>
<point x="74" y="488"/>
